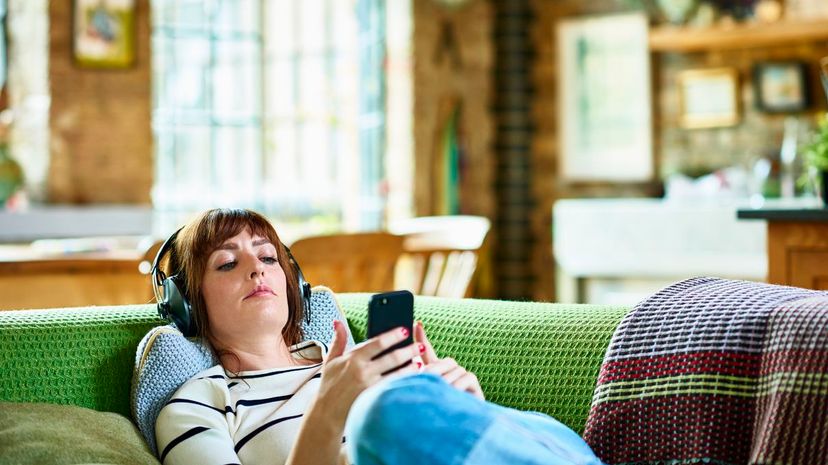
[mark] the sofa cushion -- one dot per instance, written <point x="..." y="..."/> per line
<point x="37" y="433"/>
<point x="165" y="359"/>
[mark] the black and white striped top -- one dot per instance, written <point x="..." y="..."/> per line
<point x="250" y="418"/>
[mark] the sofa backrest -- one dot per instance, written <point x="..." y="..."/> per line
<point x="531" y="356"/>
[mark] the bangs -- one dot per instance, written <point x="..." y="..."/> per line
<point x="226" y="223"/>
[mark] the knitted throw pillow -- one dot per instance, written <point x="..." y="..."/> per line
<point x="165" y="359"/>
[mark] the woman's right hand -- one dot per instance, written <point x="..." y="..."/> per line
<point x="346" y="374"/>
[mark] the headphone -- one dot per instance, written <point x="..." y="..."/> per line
<point x="171" y="297"/>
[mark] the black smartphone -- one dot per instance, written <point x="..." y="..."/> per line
<point x="390" y="310"/>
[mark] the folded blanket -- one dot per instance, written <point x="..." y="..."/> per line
<point x="716" y="371"/>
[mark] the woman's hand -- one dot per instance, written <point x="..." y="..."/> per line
<point x="447" y="367"/>
<point x="346" y="374"/>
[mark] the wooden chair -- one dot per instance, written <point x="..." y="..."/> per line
<point x="441" y="254"/>
<point x="356" y="262"/>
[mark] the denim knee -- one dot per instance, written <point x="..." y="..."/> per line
<point x="414" y="419"/>
<point x="380" y="406"/>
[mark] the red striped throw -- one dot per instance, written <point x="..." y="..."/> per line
<point x="716" y="371"/>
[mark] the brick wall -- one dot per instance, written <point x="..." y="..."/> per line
<point x="101" y="142"/>
<point x="757" y="135"/>
<point x="513" y="257"/>
<point x="453" y="62"/>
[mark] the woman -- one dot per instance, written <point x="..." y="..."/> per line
<point x="275" y="399"/>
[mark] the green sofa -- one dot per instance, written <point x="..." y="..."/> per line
<point x="532" y="356"/>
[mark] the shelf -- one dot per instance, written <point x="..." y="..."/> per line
<point x="687" y="39"/>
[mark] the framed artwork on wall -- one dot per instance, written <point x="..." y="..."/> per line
<point x="781" y="87"/>
<point x="708" y="98"/>
<point x="103" y="33"/>
<point x="604" y="102"/>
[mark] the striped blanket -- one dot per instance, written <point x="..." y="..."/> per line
<point x="716" y="371"/>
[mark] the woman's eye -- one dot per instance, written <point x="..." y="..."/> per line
<point x="269" y="260"/>
<point x="227" y="266"/>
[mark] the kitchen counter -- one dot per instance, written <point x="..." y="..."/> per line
<point x="622" y="250"/>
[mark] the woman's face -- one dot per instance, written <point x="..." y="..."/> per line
<point x="244" y="290"/>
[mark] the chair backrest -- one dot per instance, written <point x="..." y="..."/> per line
<point x="356" y="262"/>
<point x="441" y="253"/>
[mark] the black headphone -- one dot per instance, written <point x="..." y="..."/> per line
<point x="171" y="297"/>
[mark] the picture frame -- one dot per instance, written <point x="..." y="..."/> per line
<point x="605" y="103"/>
<point x="709" y="98"/>
<point x="103" y="33"/>
<point x="781" y="87"/>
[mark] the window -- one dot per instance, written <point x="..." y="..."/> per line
<point x="275" y="105"/>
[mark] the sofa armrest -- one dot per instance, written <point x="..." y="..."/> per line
<point x="531" y="356"/>
<point x="81" y="356"/>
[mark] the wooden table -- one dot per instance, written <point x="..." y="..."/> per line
<point x="797" y="245"/>
<point x="34" y="279"/>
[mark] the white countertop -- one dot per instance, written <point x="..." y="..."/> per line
<point x="654" y="238"/>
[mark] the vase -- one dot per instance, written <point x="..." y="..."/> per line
<point x="677" y="11"/>
<point x="11" y="176"/>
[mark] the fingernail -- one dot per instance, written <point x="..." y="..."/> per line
<point x="335" y="323"/>
<point x="404" y="332"/>
<point x="421" y="347"/>
<point x="419" y="365"/>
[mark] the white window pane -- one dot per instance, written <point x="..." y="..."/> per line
<point x="236" y="80"/>
<point x="314" y="155"/>
<point x="282" y="162"/>
<point x="314" y="96"/>
<point x="281" y="90"/>
<point x="180" y="14"/>
<point x="193" y="171"/>
<point x="345" y="86"/>
<point x="188" y="78"/>
<point x="313" y="23"/>
<point x="238" y="165"/>
<point x="180" y="74"/>
<point x="238" y="16"/>
<point x="280" y="32"/>
<point x="344" y="28"/>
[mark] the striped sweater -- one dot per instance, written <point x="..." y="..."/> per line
<point x="251" y="418"/>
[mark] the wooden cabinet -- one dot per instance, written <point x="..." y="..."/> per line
<point x="798" y="254"/>
<point x="797" y="246"/>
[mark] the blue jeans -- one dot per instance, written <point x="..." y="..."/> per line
<point x="422" y="419"/>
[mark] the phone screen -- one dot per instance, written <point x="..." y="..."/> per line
<point x="390" y="310"/>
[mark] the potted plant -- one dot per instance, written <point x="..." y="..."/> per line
<point x="816" y="158"/>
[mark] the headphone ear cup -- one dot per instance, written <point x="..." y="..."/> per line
<point x="176" y="306"/>
<point x="304" y="286"/>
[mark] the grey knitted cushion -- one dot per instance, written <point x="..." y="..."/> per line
<point x="165" y="359"/>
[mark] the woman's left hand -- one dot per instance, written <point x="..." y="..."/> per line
<point x="447" y="368"/>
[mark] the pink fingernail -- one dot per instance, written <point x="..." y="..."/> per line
<point x="421" y="348"/>
<point x="405" y="332"/>
<point x="335" y="323"/>
<point x="419" y="365"/>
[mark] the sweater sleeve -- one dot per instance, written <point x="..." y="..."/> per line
<point x="192" y="427"/>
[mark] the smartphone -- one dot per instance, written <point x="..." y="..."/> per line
<point x="390" y="310"/>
